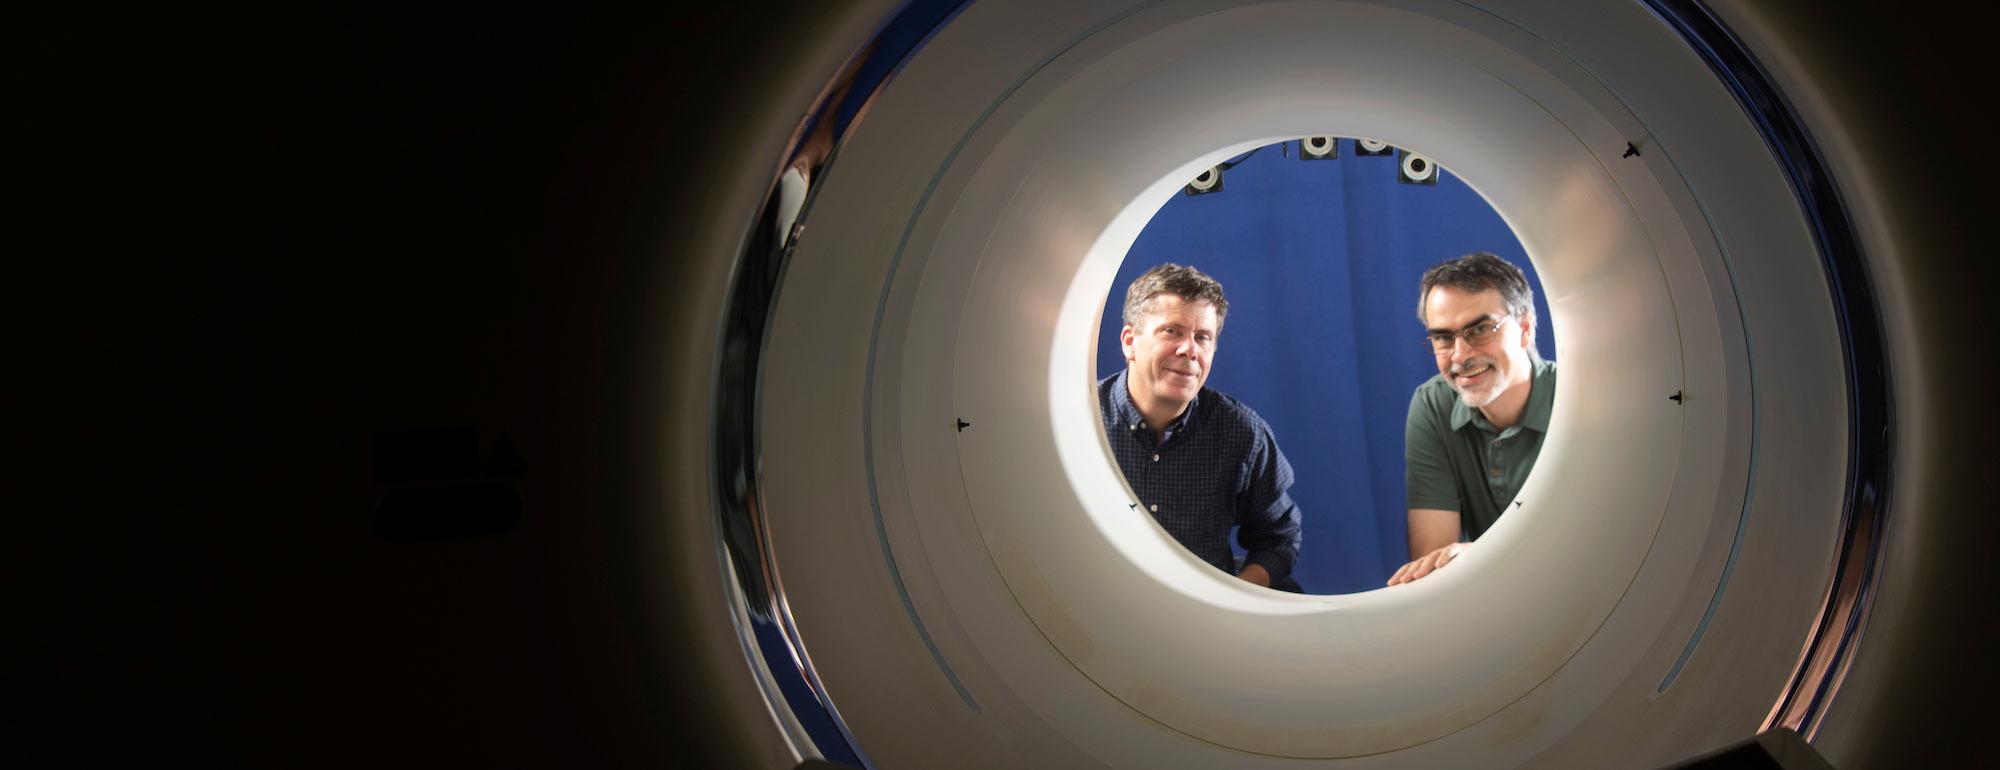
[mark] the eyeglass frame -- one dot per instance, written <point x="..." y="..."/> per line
<point x="1451" y="338"/>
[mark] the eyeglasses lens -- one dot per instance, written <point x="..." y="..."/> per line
<point x="1475" y="335"/>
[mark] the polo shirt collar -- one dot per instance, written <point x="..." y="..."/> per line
<point x="1541" y="402"/>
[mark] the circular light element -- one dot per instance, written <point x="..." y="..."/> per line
<point x="1417" y="168"/>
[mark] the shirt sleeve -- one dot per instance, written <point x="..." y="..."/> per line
<point x="1427" y="478"/>
<point x="1267" y="521"/>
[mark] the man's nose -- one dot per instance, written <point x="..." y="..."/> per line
<point x="1460" y="350"/>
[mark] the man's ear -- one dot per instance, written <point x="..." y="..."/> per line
<point x="1125" y="338"/>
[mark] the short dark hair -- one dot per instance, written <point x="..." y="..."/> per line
<point x="1477" y="272"/>
<point x="1189" y="284"/>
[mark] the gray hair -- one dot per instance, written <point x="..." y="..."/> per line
<point x="1480" y="271"/>
<point x="1189" y="284"/>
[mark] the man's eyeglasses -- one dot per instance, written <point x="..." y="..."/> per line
<point x="1479" y="333"/>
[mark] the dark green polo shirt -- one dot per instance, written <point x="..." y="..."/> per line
<point x="1454" y="460"/>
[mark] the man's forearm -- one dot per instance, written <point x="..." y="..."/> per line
<point x="1276" y="561"/>
<point x="1431" y="529"/>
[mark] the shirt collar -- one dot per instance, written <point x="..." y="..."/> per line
<point x="1535" y="416"/>
<point x="1127" y="413"/>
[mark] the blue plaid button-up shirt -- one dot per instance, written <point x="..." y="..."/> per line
<point x="1216" y="468"/>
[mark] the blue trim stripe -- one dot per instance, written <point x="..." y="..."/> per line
<point x="1870" y="408"/>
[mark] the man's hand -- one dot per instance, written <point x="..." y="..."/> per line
<point x="1426" y="564"/>
<point x="1255" y="573"/>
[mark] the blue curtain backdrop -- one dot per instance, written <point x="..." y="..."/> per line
<point x="1320" y="260"/>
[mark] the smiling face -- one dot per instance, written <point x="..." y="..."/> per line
<point x="1168" y="356"/>
<point x="1481" y="374"/>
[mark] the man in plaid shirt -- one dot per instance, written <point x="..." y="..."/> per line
<point x="1201" y="463"/>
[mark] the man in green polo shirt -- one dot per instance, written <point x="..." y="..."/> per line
<point x="1475" y="429"/>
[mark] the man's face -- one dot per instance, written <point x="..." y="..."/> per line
<point x="1479" y="373"/>
<point x="1169" y="356"/>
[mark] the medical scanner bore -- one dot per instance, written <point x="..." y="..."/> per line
<point x="931" y="327"/>
<point x="1321" y="256"/>
<point x="499" y="222"/>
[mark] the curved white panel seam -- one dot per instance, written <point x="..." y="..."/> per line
<point x="1749" y="347"/>
<point x="875" y="340"/>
